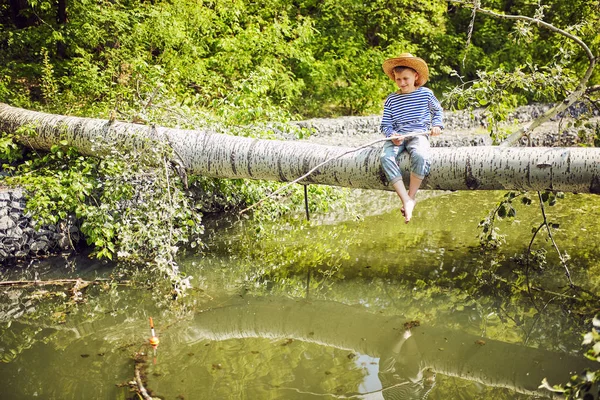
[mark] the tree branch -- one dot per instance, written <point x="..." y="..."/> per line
<point x="76" y="281"/>
<point x="140" y="365"/>
<point x="579" y="91"/>
<point x="560" y="256"/>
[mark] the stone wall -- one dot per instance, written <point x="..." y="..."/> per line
<point x="462" y="128"/>
<point x="454" y="121"/>
<point x="21" y="240"/>
<point x="355" y="131"/>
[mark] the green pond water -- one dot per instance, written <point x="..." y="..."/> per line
<point x="352" y="304"/>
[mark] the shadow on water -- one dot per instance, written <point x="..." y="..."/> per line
<point x="362" y="307"/>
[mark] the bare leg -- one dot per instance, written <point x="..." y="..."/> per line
<point x="413" y="188"/>
<point x="408" y="198"/>
<point x="415" y="184"/>
<point x="407" y="202"/>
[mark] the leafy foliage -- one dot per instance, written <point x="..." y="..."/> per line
<point x="246" y="62"/>
<point x="129" y="203"/>
<point x="583" y="386"/>
<point x="241" y="60"/>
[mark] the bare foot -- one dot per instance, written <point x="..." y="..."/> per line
<point x="408" y="210"/>
<point x="402" y="211"/>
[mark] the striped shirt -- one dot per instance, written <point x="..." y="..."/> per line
<point x="417" y="111"/>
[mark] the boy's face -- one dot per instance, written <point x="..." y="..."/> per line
<point x="406" y="80"/>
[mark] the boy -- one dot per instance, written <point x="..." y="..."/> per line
<point x="412" y="109"/>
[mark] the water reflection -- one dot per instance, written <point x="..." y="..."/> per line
<point x="408" y="353"/>
<point x="334" y="297"/>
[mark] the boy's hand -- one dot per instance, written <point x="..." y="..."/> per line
<point x="398" y="139"/>
<point x="436" y="130"/>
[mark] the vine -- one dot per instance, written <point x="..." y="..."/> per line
<point x="130" y="205"/>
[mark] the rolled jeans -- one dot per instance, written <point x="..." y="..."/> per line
<point x="418" y="150"/>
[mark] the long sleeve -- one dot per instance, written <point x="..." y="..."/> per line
<point x="437" y="113"/>
<point x="387" y="122"/>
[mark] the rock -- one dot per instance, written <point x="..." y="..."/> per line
<point x="20" y="238"/>
<point x="64" y="242"/>
<point x="20" y="254"/>
<point x="6" y="223"/>
<point x="39" y="246"/>
<point x="14" y="232"/>
<point x="16" y="205"/>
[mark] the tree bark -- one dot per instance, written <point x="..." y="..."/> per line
<point x="18" y="18"/>
<point x="61" y="20"/>
<point x="207" y="153"/>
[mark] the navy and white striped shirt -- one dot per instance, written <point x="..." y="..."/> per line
<point x="417" y="111"/>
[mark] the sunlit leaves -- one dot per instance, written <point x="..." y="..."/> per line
<point x="242" y="60"/>
<point x="9" y="150"/>
<point x="499" y="92"/>
<point x="584" y="385"/>
<point x="490" y="236"/>
<point x="129" y="204"/>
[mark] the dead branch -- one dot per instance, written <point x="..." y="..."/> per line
<point x="561" y="257"/>
<point x="78" y="282"/>
<point x="579" y="91"/>
<point x="140" y="384"/>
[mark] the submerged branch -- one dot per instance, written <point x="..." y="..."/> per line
<point x="139" y="381"/>
<point x="77" y="281"/>
<point x="560" y="256"/>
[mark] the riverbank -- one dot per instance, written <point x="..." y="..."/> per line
<point x="21" y="239"/>
<point x="467" y="128"/>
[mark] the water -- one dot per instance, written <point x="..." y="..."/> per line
<point x="354" y="304"/>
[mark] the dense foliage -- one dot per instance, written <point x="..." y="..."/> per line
<point x="247" y="61"/>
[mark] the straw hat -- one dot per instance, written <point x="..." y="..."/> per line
<point x="407" y="60"/>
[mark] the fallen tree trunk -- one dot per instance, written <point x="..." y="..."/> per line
<point x="216" y="155"/>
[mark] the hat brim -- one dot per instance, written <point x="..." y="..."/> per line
<point x="416" y="63"/>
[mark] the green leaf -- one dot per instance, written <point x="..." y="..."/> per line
<point x="502" y="211"/>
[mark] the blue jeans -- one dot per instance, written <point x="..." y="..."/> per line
<point x="418" y="149"/>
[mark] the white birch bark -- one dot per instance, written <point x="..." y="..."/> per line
<point x="206" y="153"/>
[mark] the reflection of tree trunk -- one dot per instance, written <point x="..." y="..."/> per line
<point x="222" y="156"/>
<point x="448" y="352"/>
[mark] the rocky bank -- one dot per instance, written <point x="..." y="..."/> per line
<point x="21" y="239"/>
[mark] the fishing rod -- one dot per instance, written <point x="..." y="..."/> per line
<point x="408" y="135"/>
